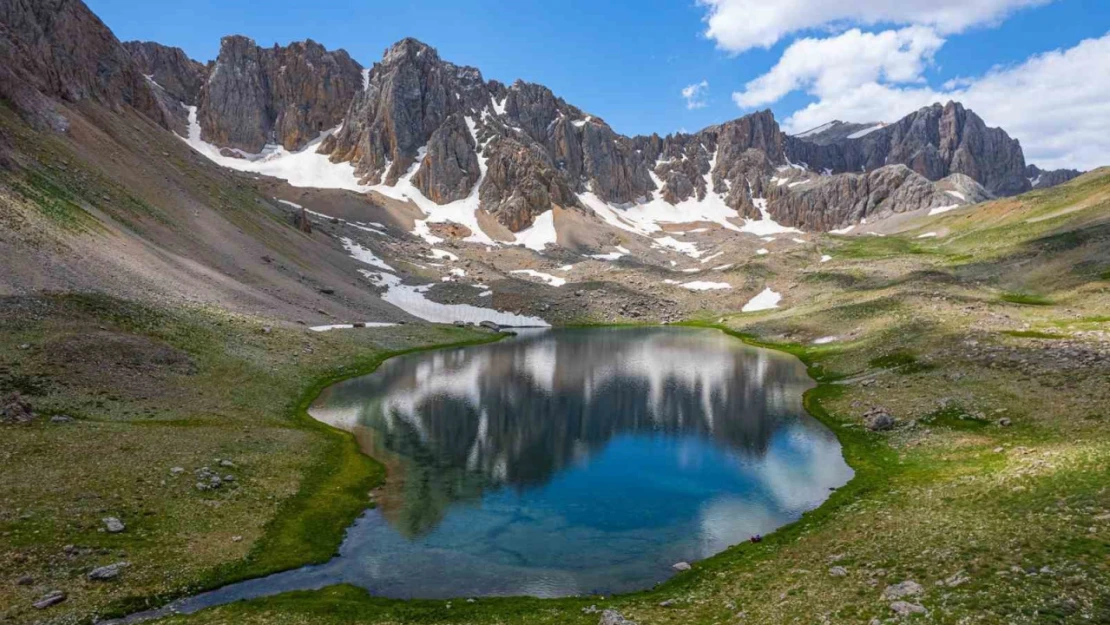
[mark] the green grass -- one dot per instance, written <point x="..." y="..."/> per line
<point x="902" y="361"/>
<point x="1032" y="334"/>
<point x="1026" y="299"/>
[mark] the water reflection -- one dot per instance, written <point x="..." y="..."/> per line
<point x="569" y="462"/>
<point x="451" y="425"/>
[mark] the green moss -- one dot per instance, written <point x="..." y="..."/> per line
<point x="954" y="416"/>
<point x="903" y="361"/>
<point x="1026" y="299"/>
<point x="1032" y="334"/>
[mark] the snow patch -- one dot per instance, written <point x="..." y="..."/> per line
<point x="364" y="255"/>
<point x="546" y="277"/>
<point x="956" y="194"/>
<point x="347" y="326"/>
<point x="442" y="255"/>
<point x="766" y="300"/>
<point x="927" y="235"/>
<point x="859" y="134"/>
<point x="701" y="285"/>
<point x="943" y="209"/>
<point x="540" y="234"/>
<point x="825" y="258"/>
<point x="824" y="340"/>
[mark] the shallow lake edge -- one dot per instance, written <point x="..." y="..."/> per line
<point x="861" y="450"/>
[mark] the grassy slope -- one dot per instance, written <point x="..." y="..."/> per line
<point x="999" y="524"/>
<point x="154" y="390"/>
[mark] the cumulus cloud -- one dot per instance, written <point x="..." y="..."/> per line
<point x="1056" y="103"/>
<point x="825" y="67"/>
<point x="695" y="94"/>
<point x="738" y="25"/>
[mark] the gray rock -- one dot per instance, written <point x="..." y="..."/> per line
<point x="612" y="617"/>
<point x="908" y="588"/>
<point x="52" y="598"/>
<point x="105" y="573"/>
<point x="681" y="566"/>
<point x="905" y="608"/>
<point x="26" y="580"/>
<point x="15" y="409"/>
<point x="285" y="95"/>
<point x="838" y="571"/>
<point x="177" y="470"/>
<point x="61" y="419"/>
<point x="113" y="525"/>
<point x="1004" y="422"/>
<point x="878" y="420"/>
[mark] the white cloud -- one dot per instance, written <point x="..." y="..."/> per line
<point x="695" y="95"/>
<point x="738" y="25"/>
<point x="825" y="67"/>
<point x="1056" y="103"/>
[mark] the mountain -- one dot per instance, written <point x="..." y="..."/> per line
<point x="415" y="121"/>
<point x="1042" y="179"/>
<point x="934" y="141"/>
<point x="58" y="49"/>
<point x="287" y="95"/>
<point x="836" y="130"/>
<point x="170" y="68"/>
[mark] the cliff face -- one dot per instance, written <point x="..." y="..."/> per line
<point x="58" y="49"/>
<point x="172" y="69"/>
<point x="284" y="95"/>
<point x="935" y="141"/>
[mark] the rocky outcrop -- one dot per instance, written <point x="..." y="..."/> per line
<point x="825" y="203"/>
<point x="170" y="68"/>
<point x="1043" y="179"/>
<point x="935" y="141"/>
<point x="408" y="96"/>
<point x="283" y="95"/>
<point x="59" y="50"/>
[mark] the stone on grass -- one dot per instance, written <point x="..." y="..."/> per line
<point x="15" y="409"/>
<point x="681" y="566"/>
<point x="113" y="525"/>
<point x="908" y="588"/>
<point x="1004" y="422"/>
<point x="905" y="608"/>
<point x="838" y="571"/>
<point x="878" y="420"/>
<point x="612" y="617"/>
<point x="26" y="580"/>
<point x="61" y="419"/>
<point x="52" y="598"/>
<point x="105" y="573"/>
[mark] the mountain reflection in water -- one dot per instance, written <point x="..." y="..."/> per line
<point x="568" y="462"/>
<point x="452" y="424"/>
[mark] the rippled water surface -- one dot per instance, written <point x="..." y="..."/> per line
<point x="569" y="462"/>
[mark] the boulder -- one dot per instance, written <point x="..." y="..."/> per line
<point x="878" y="420"/>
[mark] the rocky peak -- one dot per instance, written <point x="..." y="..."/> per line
<point x="284" y="95"/>
<point x="60" y="49"/>
<point x="934" y="141"/>
<point x="1042" y="179"/>
<point x="180" y="76"/>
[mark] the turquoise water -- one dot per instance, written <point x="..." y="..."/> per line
<point x="569" y="462"/>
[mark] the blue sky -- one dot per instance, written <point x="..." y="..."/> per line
<point x="629" y="61"/>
